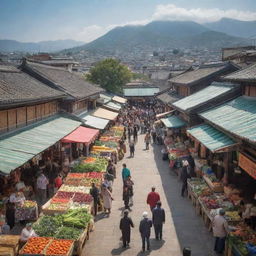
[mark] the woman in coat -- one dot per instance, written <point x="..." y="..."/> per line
<point x="125" y="226"/>
<point x="107" y="199"/>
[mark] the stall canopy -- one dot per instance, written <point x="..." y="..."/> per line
<point x="82" y="135"/>
<point x="31" y="140"/>
<point x="104" y="98"/>
<point x="104" y="113"/>
<point x="164" y="114"/>
<point x="173" y="122"/>
<point x="93" y="121"/>
<point x="119" y="99"/>
<point x="211" y="138"/>
<point x="113" y="105"/>
<point x="237" y="117"/>
<point x="140" y="92"/>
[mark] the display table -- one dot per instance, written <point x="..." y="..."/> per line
<point x="26" y="212"/>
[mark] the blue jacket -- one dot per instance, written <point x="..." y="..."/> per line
<point x="158" y="215"/>
<point x="145" y="226"/>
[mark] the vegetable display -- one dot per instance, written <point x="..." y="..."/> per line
<point x="64" y="195"/>
<point x="59" y="247"/>
<point x="68" y="233"/>
<point x="74" y="189"/>
<point x="82" y="198"/>
<point x="99" y="165"/>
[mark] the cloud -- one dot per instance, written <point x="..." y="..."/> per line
<point x="172" y="12"/>
<point x="165" y="12"/>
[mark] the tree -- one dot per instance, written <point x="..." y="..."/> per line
<point x="110" y="74"/>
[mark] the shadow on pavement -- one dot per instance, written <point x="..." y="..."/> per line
<point x="189" y="227"/>
<point x="118" y="251"/>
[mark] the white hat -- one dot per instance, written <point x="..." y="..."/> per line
<point x="145" y="214"/>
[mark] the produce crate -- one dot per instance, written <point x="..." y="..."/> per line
<point x="47" y="211"/>
<point x="11" y="242"/>
<point x="80" y="242"/>
<point x="216" y="189"/>
<point x="69" y="253"/>
<point x="7" y="251"/>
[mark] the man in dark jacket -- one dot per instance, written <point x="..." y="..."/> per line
<point x="125" y="226"/>
<point x="158" y="220"/>
<point x="145" y="226"/>
<point x="95" y="194"/>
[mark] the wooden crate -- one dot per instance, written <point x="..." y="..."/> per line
<point x="216" y="189"/>
<point x="47" y="211"/>
<point x="70" y="252"/>
<point x="80" y="242"/>
<point x="11" y="242"/>
<point x="7" y="251"/>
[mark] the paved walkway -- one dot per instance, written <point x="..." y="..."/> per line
<point x="182" y="227"/>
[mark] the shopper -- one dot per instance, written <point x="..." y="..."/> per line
<point x="153" y="198"/>
<point x="147" y="140"/>
<point x="111" y="169"/>
<point x="158" y="220"/>
<point x="125" y="226"/>
<point x="185" y="175"/>
<point x="41" y="185"/>
<point x="186" y="251"/>
<point x="125" y="173"/>
<point x="145" y="227"/>
<point x="135" y="133"/>
<point x="132" y="148"/>
<point x="220" y="231"/>
<point x="126" y="197"/>
<point x="129" y="183"/>
<point x="107" y="199"/>
<point x="94" y="191"/>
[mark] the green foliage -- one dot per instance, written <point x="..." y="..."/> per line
<point x="139" y="76"/>
<point x="110" y="74"/>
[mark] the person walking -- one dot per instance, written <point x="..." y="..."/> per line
<point x="107" y="199"/>
<point x="147" y="140"/>
<point x="41" y="185"/>
<point x="132" y="148"/>
<point x="125" y="226"/>
<point x="145" y="228"/>
<point x="185" y="175"/>
<point x="94" y="192"/>
<point x="125" y="173"/>
<point x="158" y="220"/>
<point x="153" y="198"/>
<point x="129" y="183"/>
<point x="135" y="133"/>
<point x="153" y="134"/>
<point x="111" y="169"/>
<point x="220" y="230"/>
<point x="126" y="197"/>
<point x="129" y="131"/>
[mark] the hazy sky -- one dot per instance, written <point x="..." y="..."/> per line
<point x="85" y="20"/>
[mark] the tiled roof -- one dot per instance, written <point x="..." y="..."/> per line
<point x="18" y="87"/>
<point x="69" y="82"/>
<point x="204" y="72"/>
<point x="237" y="117"/>
<point x="246" y="74"/>
<point x="167" y="97"/>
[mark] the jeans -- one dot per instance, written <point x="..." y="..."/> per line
<point x="219" y="244"/>
<point x="145" y="239"/>
<point x="184" y="187"/>
<point x="158" y="230"/>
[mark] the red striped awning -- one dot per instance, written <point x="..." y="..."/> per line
<point x="82" y="135"/>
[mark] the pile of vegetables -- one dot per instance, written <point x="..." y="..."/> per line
<point x="64" y="195"/>
<point x="29" y="204"/>
<point x="59" y="247"/>
<point x="75" y="189"/>
<point x="82" y="198"/>
<point x="68" y="233"/>
<point x="98" y="166"/>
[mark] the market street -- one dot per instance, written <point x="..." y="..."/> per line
<point x="182" y="228"/>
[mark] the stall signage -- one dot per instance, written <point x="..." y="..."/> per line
<point x="248" y="165"/>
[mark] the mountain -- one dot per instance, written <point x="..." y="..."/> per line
<point x="234" y="27"/>
<point x="159" y="35"/>
<point x="43" y="46"/>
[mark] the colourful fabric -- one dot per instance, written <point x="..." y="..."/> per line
<point x="153" y="198"/>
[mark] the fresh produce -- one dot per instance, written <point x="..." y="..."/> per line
<point x="68" y="233"/>
<point x="89" y="160"/>
<point x="210" y="202"/>
<point x="64" y="195"/>
<point x="74" y="189"/>
<point x="35" y="245"/>
<point x="76" y="205"/>
<point x="58" y="207"/>
<point x="59" y="247"/>
<point x="29" y="204"/>
<point x="98" y="166"/>
<point x="56" y="200"/>
<point x="82" y="198"/>
<point x="47" y="226"/>
<point x="78" y="218"/>
<point x="232" y="216"/>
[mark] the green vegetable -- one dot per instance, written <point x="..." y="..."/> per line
<point x="68" y="233"/>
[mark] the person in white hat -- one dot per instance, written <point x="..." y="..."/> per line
<point x="145" y="227"/>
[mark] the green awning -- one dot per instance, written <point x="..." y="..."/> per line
<point x="173" y="122"/>
<point x="31" y="140"/>
<point x="237" y="117"/>
<point x="210" y="137"/>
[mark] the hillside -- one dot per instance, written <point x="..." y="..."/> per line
<point x="159" y="35"/>
<point x="234" y="27"/>
<point x="44" y="46"/>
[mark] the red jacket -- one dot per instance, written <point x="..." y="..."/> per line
<point x="153" y="198"/>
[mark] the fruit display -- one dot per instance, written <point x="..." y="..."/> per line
<point x="110" y="144"/>
<point x="210" y="202"/>
<point x="82" y="198"/>
<point x="29" y="204"/>
<point x="35" y="245"/>
<point x="232" y="216"/>
<point x="64" y="195"/>
<point x="75" y="189"/>
<point x="59" y="247"/>
<point x="75" y="205"/>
